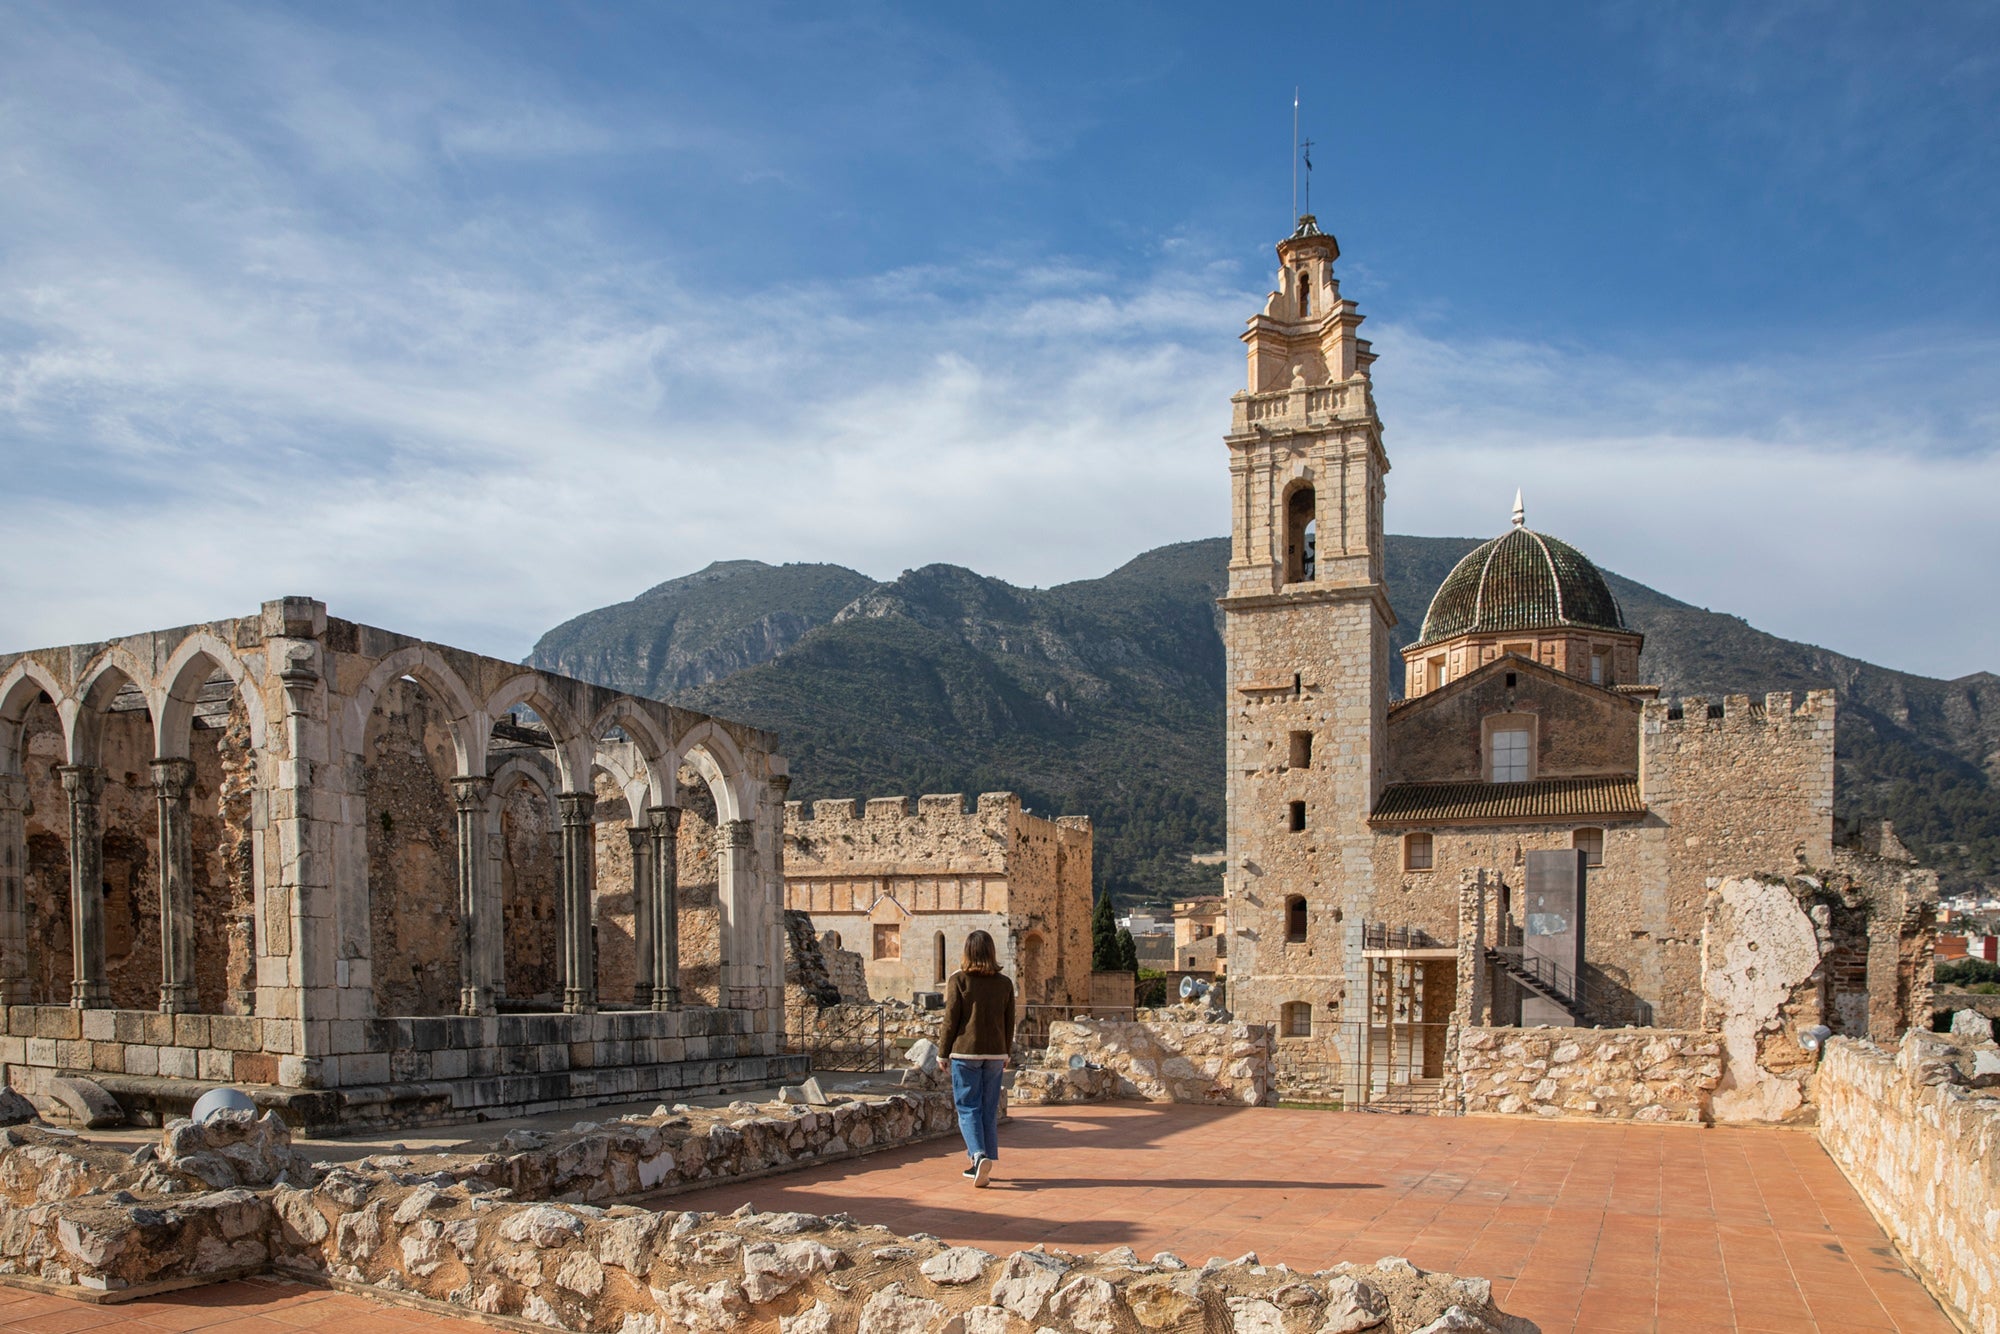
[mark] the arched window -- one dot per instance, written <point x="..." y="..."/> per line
<point x="1305" y="280"/>
<point x="1295" y="1019"/>
<point x="941" y="964"/>
<point x="1592" y="843"/>
<point x="1295" y="918"/>
<point x="1301" y="537"/>
<point x="1417" y="852"/>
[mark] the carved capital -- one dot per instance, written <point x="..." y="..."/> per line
<point x="470" y="791"/>
<point x="172" y="778"/>
<point x="640" y="837"/>
<point x="83" y="782"/>
<point x="780" y="785"/>
<point x="577" y="807"/>
<point x="667" y="818"/>
<point x="738" y="833"/>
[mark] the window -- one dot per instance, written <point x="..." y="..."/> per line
<point x="1296" y="1019"/>
<point x="1417" y="852"/>
<point x="888" y="940"/>
<point x="1298" y="817"/>
<point x="1302" y="750"/>
<point x="1600" y="670"/>
<point x="1305" y="293"/>
<point x="941" y="964"/>
<point x="1295" y="918"/>
<point x="1592" y="843"/>
<point x="1510" y="755"/>
<point x="1301" y="537"/>
<point x="1437" y="673"/>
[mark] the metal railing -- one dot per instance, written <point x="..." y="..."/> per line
<point x="1381" y="936"/>
<point x="846" y="1037"/>
<point x="1590" y="1002"/>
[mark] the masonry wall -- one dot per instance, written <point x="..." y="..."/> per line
<point x="1613" y="1074"/>
<point x="1579" y="730"/>
<point x="930" y="868"/>
<point x="1924" y="1152"/>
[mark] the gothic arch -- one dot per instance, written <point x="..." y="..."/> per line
<point x="101" y="681"/>
<point x="193" y="662"/>
<point x="648" y="736"/>
<point x="572" y="747"/>
<point x="22" y="684"/>
<point x="713" y="754"/>
<point x="422" y="664"/>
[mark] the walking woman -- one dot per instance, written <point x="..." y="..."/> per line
<point x="978" y="1038"/>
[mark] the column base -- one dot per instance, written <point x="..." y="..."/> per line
<point x="178" y="998"/>
<point x="474" y="1002"/>
<point x="665" y="998"/>
<point x="579" y="1002"/>
<point x="90" y="995"/>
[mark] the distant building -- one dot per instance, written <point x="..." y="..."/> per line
<point x="1201" y="933"/>
<point x="902" y="883"/>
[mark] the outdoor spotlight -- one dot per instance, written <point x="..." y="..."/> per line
<point x="1814" y="1038"/>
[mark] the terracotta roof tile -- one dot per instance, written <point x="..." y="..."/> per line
<point x="1613" y="798"/>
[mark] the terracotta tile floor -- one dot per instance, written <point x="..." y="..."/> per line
<point x="249" y="1306"/>
<point x="1594" y="1228"/>
<point x="1589" y="1228"/>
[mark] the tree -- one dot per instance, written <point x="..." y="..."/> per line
<point x="1104" y="936"/>
<point x="1128" y="953"/>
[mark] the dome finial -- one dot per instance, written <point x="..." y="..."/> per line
<point x="1520" y="515"/>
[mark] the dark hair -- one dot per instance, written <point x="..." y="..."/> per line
<point x="980" y="956"/>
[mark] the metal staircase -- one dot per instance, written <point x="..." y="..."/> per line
<point x="1588" y="1005"/>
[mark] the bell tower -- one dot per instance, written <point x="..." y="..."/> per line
<point x="1306" y="635"/>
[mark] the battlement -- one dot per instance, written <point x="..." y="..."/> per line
<point x="839" y="814"/>
<point x="1777" y="707"/>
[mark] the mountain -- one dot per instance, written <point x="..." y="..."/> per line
<point x="1105" y="696"/>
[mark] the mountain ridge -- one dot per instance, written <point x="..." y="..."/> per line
<point x="1104" y="696"/>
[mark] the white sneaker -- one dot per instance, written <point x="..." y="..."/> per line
<point x="982" y="1173"/>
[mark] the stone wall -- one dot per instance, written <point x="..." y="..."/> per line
<point x="1614" y="1074"/>
<point x="459" y="1240"/>
<point x="1173" y="1055"/>
<point x="1923" y="1149"/>
<point x="903" y="883"/>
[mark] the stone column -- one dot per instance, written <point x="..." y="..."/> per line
<point x="664" y="823"/>
<point x="88" y="989"/>
<point x="579" y="869"/>
<point x="13" y="890"/>
<point x="740" y="919"/>
<point x="641" y="839"/>
<point x="475" y="968"/>
<point x="171" y="780"/>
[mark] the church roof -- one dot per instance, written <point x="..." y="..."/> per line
<point x="1614" y="797"/>
<point x="1521" y="580"/>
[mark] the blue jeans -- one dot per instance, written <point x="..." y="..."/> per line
<point x="975" y="1088"/>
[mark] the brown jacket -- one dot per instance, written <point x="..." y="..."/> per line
<point x="978" y="1015"/>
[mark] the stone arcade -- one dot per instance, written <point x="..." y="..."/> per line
<point x="382" y="880"/>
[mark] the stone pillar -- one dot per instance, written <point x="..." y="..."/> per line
<point x="88" y="989"/>
<point x="737" y="914"/>
<point x="171" y="780"/>
<point x="579" y="869"/>
<point x="664" y="823"/>
<point x="475" y="967"/>
<point x="641" y="839"/>
<point x="13" y="890"/>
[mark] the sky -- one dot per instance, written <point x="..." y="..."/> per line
<point x="468" y="318"/>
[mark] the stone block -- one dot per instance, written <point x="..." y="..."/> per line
<point x="190" y="1030"/>
<point x="142" y="1060"/>
<point x="255" y="1067"/>
<point x="236" y="1032"/>
<point x="13" y="1050"/>
<point x="100" y="1025"/>
<point x="159" y="1030"/>
<point x="58" y="1022"/>
<point x="21" y="1020"/>
<point x="73" y="1055"/>
<point x="216" y="1065"/>
<point x="177" y="1063"/>
<point x="108" y="1057"/>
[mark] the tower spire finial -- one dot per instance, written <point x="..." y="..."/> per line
<point x="1520" y="514"/>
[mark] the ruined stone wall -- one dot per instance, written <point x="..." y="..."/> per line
<point x="1612" y="1074"/>
<point x="1748" y="793"/>
<point x="1578" y="731"/>
<point x="1924" y="1152"/>
<point x="531" y="929"/>
<point x="931" y="872"/>
<point x="1173" y="1055"/>
<point x="222" y="807"/>
<point x="412" y="853"/>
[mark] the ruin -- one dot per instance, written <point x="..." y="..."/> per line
<point x="378" y="880"/>
<point x="901" y="884"/>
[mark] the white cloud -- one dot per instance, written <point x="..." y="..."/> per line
<point x="473" y="423"/>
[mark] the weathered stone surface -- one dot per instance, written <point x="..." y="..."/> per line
<point x="960" y="1264"/>
<point x="1972" y="1025"/>
<point x="1026" y="1281"/>
<point x="1171" y="1055"/>
<point x="1352" y="1305"/>
<point x="1088" y="1304"/>
<point x="82" y="1102"/>
<point x="1615" y="1074"/>
<point x="894" y="1311"/>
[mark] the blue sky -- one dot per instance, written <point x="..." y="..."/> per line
<point x="469" y="318"/>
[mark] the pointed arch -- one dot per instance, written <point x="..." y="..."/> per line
<point x="193" y="663"/>
<point x="427" y="667"/>
<point x="108" y="674"/>
<point x="20" y="687"/>
<point x="714" y="754"/>
<point x="572" y="747"/>
<point x="648" y="735"/>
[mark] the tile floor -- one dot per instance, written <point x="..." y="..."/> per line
<point x="1596" y="1229"/>
<point x="1593" y="1228"/>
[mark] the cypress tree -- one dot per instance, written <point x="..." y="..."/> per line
<point x="1104" y="936"/>
<point x="1128" y="953"/>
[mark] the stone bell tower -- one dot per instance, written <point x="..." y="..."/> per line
<point x="1306" y="632"/>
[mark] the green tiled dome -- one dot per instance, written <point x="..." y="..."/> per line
<point x="1521" y="580"/>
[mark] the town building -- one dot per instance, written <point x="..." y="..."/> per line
<point x="902" y="883"/>
<point x="1355" y="821"/>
